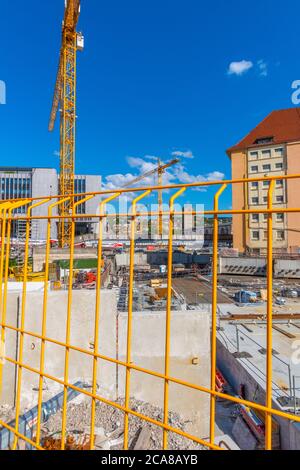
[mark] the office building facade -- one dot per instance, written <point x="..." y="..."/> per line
<point x="271" y="149"/>
<point x="22" y="183"/>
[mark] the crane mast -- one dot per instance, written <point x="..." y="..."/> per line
<point x="65" y="98"/>
<point x="160" y="172"/>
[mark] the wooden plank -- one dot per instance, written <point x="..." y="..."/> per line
<point x="283" y="332"/>
<point x="257" y="316"/>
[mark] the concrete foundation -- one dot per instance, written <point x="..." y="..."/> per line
<point x="282" y="268"/>
<point x="157" y="258"/>
<point x="242" y="266"/>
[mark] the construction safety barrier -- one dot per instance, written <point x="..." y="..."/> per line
<point x="8" y="214"/>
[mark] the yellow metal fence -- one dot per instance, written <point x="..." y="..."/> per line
<point x="7" y="216"/>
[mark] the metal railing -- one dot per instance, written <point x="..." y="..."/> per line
<point x="7" y="216"/>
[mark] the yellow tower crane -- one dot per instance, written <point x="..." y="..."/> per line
<point x="65" y="98"/>
<point x="160" y="170"/>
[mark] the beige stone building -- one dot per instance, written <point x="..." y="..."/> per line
<point x="271" y="149"/>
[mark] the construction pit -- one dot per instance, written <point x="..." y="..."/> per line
<point x="189" y="360"/>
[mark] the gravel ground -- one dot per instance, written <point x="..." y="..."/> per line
<point x="109" y="424"/>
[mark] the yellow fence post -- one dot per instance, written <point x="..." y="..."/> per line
<point x="68" y="325"/>
<point x="97" y="315"/>
<point x="168" y="314"/>
<point x="269" y="318"/>
<point x="214" y="305"/>
<point x="129" y="320"/>
<point x="44" y="318"/>
<point x="22" y="322"/>
<point x="6" y="250"/>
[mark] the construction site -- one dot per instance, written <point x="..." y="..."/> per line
<point x="170" y="328"/>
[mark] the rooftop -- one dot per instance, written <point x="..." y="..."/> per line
<point x="278" y="127"/>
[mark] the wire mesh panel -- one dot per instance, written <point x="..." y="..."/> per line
<point x="44" y="337"/>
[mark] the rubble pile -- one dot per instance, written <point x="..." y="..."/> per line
<point x="7" y="413"/>
<point x="109" y="428"/>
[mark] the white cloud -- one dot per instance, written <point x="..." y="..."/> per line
<point x="175" y="174"/>
<point x="215" y="176"/>
<point x="180" y="154"/>
<point x="263" y="68"/>
<point x="239" y="68"/>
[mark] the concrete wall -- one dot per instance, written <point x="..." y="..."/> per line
<point x="247" y="266"/>
<point x="11" y="349"/>
<point x="82" y="335"/>
<point x="283" y="268"/>
<point x="122" y="259"/>
<point x="189" y="339"/>
<point x="287" y="268"/>
<point x="158" y="258"/>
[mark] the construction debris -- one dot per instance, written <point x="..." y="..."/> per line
<point x="109" y="430"/>
<point x="7" y="413"/>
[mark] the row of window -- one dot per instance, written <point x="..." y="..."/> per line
<point x="267" y="153"/>
<point x="266" y="167"/>
<point x="255" y="200"/>
<point x="266" y="184"/>
<point x="255" y="235"/>
<point x="16" y="188"/>
<point x="255" y="217"/>
<point x="80" y="188"/>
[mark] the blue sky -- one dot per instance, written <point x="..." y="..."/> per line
<point x="153" y="79"/>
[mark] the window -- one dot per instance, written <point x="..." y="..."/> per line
<point x="264" y="140"/>
<point x="279" y="166"/>
<point x="255" y="218"/>
<point x="279" y="199"/>
<point x="266" y="153"/>
<point x="255" y="200"/>
<point x="279" y="152"/>
<point x="279" y="183"/>
<point x="265" y="199"/>
<point x="266" y="184"/>
<point x="266" y="167"/>
<point x="265" y="216"/>
<point x="255" y="235"/>
<point x="280" y="234"/>
<point x="254" y="155"/>
<point x="254" y="169"/>
<point x="280" y="217"/>
<point x="254" y="185"/>
<point x="265" y="235"/>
